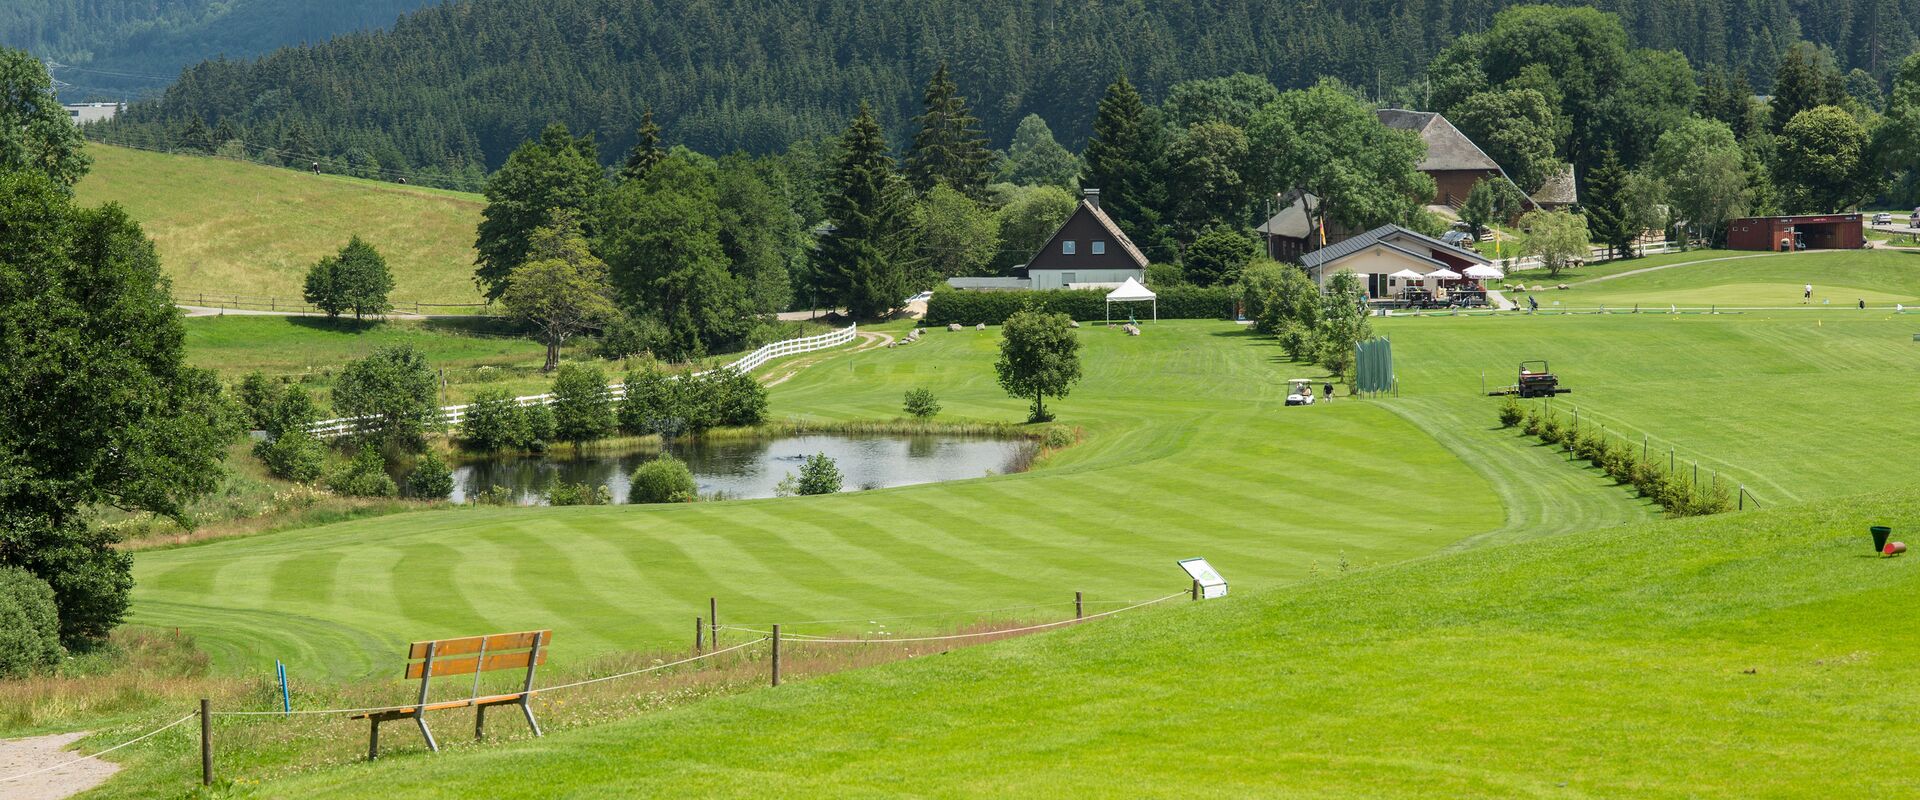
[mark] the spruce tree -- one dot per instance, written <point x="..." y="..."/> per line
<point x="862" y="263"/>
<point x="1122" y="161"/>
<point x="948" y="146"/>
<point x="1608" y="218"/>
<point x="647" y="149"/>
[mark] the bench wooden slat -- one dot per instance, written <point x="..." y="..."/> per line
<point x="472" y="664"/>
<point x="491" y="700"/>
<point x="471" y="644"/>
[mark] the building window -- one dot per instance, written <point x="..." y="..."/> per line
<point x="1099" y="247"/>
<point x="1066" y="247"/>
<point x="1068" y="278"/>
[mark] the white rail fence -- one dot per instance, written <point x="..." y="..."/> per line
<point x="452" y="415"/>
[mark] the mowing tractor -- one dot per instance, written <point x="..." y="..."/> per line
<point x="1535" y="381"/>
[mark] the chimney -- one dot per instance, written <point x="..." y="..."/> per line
<point x="1091" y="196"/>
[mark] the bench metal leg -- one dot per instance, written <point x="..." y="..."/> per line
<point x="373" y="742"/>
<point x="526" y="707"/>
<point x="421" y="718"/>
<point x="479" y="723"/>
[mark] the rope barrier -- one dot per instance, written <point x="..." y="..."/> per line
<point x="653" y="668"/>
<point x="148" y="735"/>
<point x="821" y="640"/>
<point x="923" y="616"/>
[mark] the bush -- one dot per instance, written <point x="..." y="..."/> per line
<point x="819" y="475"/>
<point x="733" y="398"/>
<point x="578" y="494"/>
<point x="1165" y="276"/>
<point x="1058" y="437"/>
<point x="540" y="427"/>
<point x="430" y="478"/>
<point x="921" y="404"/>
<point x="1511" y="413"/>
<point x="651" y="404"/>
<point x="292" y="411"/>
<point x="493" y="496"/>
<point x="29" y="625"/>
<point x="494" y="421"/>
<point x="365" y="476"/>
<point x="663" y="480"/>
<point x="296" y="456"/>
<point x="256" y="395"/>
<point x="993" y="308"/>
<point x="582" y="405"/>
<point x="631" y="336"/>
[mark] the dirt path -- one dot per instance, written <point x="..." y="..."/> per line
<point x="868" y="341"/>
<point x="39" y="752"/>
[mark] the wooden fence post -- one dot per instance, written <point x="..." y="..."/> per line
<point x="699" y="634"/>
<point x="776" y="654"/>
<point x="713" y="622"/>
<point x="1079" y="611"/>
<point x="206" y="742"/>
<point x="1196" y="588"/>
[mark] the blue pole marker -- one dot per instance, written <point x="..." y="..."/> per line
<point x="286" y="697"/>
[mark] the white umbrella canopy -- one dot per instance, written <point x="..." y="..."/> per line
<point x="1406" y="275"/>
<point x="1444" y="274"/>
<point x="1483" y="271"/>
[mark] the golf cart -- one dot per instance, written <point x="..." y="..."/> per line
<point x="1300" y="392"/>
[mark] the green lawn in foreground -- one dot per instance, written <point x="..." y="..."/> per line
<point x="232" y="227"/>
<point x="1188" y="452"/>
<point x="1756" y="655"/>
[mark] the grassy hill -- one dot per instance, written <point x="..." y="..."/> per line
<point x="231" y="227"/>
<point x="1736" y="279"/>
<point x="1754" y="655"/>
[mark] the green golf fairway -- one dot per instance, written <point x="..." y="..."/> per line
<point x="1189" y="452"/>
<point x="1732" y="278"/>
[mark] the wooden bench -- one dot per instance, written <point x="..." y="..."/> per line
<point x="470" y="655"/>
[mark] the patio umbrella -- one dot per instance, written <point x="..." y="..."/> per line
<point x="1444" y="274"/>
<point x="1482" y="271"/>
<point x="1406" y="275"/>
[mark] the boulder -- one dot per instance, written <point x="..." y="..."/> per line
<point x="953" y="326"/>
<point x="980" y="326"/>
<point x="1073" y="323"/>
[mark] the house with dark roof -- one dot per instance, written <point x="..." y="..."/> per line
<point x="1560" y="191"/>
<point x="1453" y="161"/>
<point x="1383" y="251"/>
<point x="1290" y="233"/>
<point x="1088" y="251"/>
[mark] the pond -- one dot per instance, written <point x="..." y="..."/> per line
<point x="746" y="468"/>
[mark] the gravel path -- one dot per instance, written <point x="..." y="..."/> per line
<point x="37" y="752"/>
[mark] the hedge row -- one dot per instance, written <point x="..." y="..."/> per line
<point x="1086" y="305"/>
<point x="1676" y="493"/>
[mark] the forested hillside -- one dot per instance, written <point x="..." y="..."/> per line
<point x="454" y="88"/>
<point x="114" y="49"/>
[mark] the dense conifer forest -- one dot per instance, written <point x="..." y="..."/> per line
<point x="452" y="89"/>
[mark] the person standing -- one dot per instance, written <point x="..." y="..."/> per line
<point x="1806" y="294"/>
<point x="1327" y="392"/>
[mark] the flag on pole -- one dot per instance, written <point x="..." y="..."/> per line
<point x="1323" y="230"/>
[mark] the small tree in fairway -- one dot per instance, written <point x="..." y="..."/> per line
<point x="1039" y="356"/>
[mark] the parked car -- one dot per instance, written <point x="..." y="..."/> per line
<point x="1460" y="239"/>
<point x="1883" y="218"/>
<point x="920" y="298"/>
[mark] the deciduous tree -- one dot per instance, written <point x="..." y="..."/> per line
<point x="554" y="173"/>
<point x="1555" y="237"/>
<point x="1325" y="143"/>
<point x="1039" y="358"/>
<point x="355" y="279"/>
<point x="1702" y="169"/>
<point x="393" y="391"/>
<point x="1516" y="128"/>
<point x="563" y="290"/>
<point x="36" y="135"/>
<point x="1822" y="164"/>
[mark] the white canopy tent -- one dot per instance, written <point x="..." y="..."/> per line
<point x="1443" y="274"/>
<point x="1484" y="272"/>
<point x="1132" y="292"/>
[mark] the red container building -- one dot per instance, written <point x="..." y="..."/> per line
<point x="1805" y="232"/>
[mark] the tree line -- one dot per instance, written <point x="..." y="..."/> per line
<point x="449" y="91"/>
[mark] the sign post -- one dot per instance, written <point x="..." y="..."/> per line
<point x="1211" y="584"/>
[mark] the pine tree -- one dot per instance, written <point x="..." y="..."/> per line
<point x="1122" y="161"/>
<point x="948" y="147"/>
<point x="195" y="137"/>
<point x="1608" y="218"/>
<point x="862" y="263"/>
<point x="647" y="149"/>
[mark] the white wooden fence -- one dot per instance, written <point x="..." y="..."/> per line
<point x="452" y="415"/>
